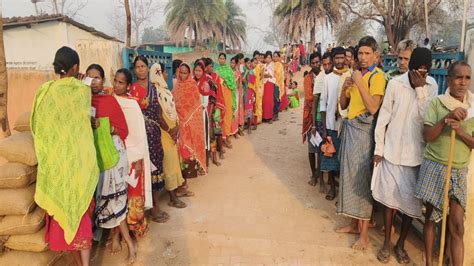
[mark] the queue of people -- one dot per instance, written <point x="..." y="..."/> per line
<point x="106" y="154"/>
<point x="384" y="138"/>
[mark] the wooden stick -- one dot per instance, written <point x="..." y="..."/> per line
<point x="446" y="197"/>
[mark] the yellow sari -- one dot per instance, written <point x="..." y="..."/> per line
<point x="259" y="92"/>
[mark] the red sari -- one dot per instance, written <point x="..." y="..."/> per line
<point x="191" y="143"/>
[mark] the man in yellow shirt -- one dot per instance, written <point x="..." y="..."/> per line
<point x="362" y="95"/>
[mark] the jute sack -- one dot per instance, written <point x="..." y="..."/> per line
<point x="22" y="258"/>
<point x="23" y="122"/>
<point x="33" y="242"/>
<point x="23" y="225"/>
<point x="17" y="201"/>
<point x="19" y="148"/>
<point x="16" y="175"/>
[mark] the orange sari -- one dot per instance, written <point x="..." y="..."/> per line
<point x="191" y="142"/>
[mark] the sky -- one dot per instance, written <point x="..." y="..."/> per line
<point x="97" y="14"/>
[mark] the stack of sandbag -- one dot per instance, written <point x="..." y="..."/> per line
<point x="22" y="231"/>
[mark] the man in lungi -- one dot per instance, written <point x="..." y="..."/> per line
<point x="450" y="111"/>
<point x="399" y="148"/>
<point x="309" y="109"/>
<point x="362" y="95"/>
<point x="330" y="117"/>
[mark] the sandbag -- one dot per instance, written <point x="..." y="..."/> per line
<point x="23" y="122"/>
<point x="16" y="175"/>
<point x="17" y="201"/>
<point x="33" y="242"/>
<point x="23" y="225"/>
<point x="19" y="148"/>
<point x="21" y="258"/>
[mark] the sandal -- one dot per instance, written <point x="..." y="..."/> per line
<point x="331" y="195"/>
<point x="162" y="217"/>
<point x="401" y="255"/>
<point x="177" y="204"/>
<point x="187" y="193"/>
<point x="383" y="256"/>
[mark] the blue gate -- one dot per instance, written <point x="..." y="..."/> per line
<point x="128" y="55"/>
<point x="439" y="66"/>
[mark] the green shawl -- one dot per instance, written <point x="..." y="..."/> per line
<point x="227" y="74"/>
<point x="64" y="143"/>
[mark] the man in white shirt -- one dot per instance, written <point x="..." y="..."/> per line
<point x="318" y="84"/>
<point x="399" y="148"/>
<point x="329" y="117"/>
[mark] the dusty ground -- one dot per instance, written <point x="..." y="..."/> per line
<point x="256" y="209"/>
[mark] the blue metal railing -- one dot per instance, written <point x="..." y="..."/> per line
<point x="439" y="66"/>
<point x="128" y="55"/>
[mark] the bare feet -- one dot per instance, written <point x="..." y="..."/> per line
<point x="361" y="244"/>
<point x="116" y="247"/>
<point x="348" y="229"/>
<point x="216" y="163"/>
<point x="132" y="253"/>
<point x="313" y="181"/>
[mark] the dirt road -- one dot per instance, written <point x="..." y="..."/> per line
<point x="256" y="209"/>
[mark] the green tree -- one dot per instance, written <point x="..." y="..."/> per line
<point x="199" y="19"/>
<point x="399" y="17"/>
<point x="297" y="17"/>
<point x="151" y="34"/>
<point x="234" y="27"/>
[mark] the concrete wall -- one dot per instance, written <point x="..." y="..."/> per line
<point x="105" y="53"/>
<point x="22" y="87"/>
<point x="33" y="48"/>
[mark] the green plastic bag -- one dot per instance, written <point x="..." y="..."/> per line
<point x="107" y="154"/>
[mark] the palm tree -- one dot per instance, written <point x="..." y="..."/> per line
<point x="3" y="85"/>
<point x="185" y="18"/>
<point x="234" y="28"/>
<point x="297" y="16"/>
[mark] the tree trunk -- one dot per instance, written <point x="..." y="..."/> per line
<point x="3" y="86"/>
<point x="196" y="36"/>
<point x="224" y="37"/>
<point x="129" y="23"/>
<point x="312" y="39"/>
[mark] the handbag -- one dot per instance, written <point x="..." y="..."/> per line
<point x="107" y="155"/>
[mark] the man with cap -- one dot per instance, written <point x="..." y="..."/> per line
<point x="399" y="148"/>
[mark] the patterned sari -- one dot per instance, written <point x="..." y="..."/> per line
<point x="148" y="100"/>
<point x="191" y="132"/>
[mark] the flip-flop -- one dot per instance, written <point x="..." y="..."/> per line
<point x="177" y="204"/>
<point x="401" y="255"/>
<point x="163" y="217"/>
<point x="331" y="195"/>
<point x="186" y="194"/>
<point x="383" y="256"/>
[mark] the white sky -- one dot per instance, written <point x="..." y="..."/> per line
<point x="97" y="14"/>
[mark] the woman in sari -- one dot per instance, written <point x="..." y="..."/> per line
<point x="269" y="82"/>
<point x="145" y="93"/>
<point x="250" y="97"/>
<point x="61" y="117"/>
<point x="281" y="100"/>
<point x="200" y="77"/>
<point x="238" y="123"/>
<point x="191" y="136"/>
<point x="174" y="181"/>
<point x="137" y="154"/>
<point x="112" y="205"/>
<point x="216" y="110"/>
<point x="229" y="87"/>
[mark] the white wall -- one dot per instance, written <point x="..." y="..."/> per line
<point x="34" y="48"/>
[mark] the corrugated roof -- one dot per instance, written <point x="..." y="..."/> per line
<point x="14" y="22"/>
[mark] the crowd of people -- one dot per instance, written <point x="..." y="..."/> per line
<point x="106" y="153"/>
<point x="384" y="139"/>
